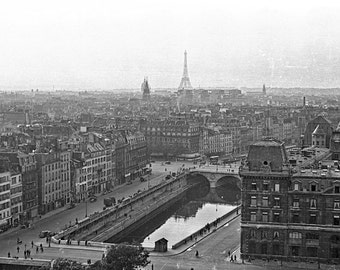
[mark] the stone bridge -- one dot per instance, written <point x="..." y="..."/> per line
<point x="215" y="173"/>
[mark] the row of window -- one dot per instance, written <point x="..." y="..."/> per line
<point x="3" y="215"/>
<point x="295" y="218"/>
<point x="4" y="205"/>
<point x="4" y="179"/>
<point x="295" y="204"/>
<point x="4" y="196"/>
<point x="297" y="186"/>
<point x="5" y="187"/>
<point x="265" y="186"/>
<point x="314" y="187"/>
<point x="16" y="180"/>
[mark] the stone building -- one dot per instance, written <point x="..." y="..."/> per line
<point x="289" y="213"/>
<point x="323" y="124"/>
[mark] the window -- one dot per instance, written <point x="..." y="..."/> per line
<point x="296" y="186"/>
<point x="265" y="216"/>
<point x="312" y="203"/>
<point x="295" y="250"/>
<point x="277" y="202"/>
<point x="265" y="201"/>
<point x="296" y="218"/>
<point x="296" y="203"/>
<point x="336" y="220"/>
<point x="312" y="219"/>
<point x="265" y="186"/>
<point x="277" y="188"/>
<point x="276" y="217"/>
<point x="313" y="187"/>
<point x="253" y="216"/>
<point x="264" y="248"/>
<point x="253" y="201"/>
<point x="276" y="249"/>
<point x="295" y="235"/>
<point x="253" y="186"/>
<point x="337" y="189"/>
<point x="253" y="234"/>
<point x="312" y="251"/>
<point x="276" y="235"/>
<point x="264" y="235"/>
<point x="336" y="204"/>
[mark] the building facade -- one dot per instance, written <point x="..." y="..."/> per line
<point x="288" y="213"/>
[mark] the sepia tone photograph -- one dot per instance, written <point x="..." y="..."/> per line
<point x="169" y="135"/>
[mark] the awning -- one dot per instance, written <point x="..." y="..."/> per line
<point x="127" y="175"/>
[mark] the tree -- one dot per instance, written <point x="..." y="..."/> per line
<point x="123" y="257"/>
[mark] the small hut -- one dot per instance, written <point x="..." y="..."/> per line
<point x="161" y="245"/>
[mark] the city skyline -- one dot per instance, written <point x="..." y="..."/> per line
<point x="85" y="45"/>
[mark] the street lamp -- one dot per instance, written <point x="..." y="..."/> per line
<point x="86" y="203"/>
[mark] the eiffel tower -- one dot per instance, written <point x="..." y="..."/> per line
<point x="185" y="82"/>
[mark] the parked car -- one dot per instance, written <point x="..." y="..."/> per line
<point x="71" y="205"/>
<point x="93" y="199"/>
<point x="167" y="162"/>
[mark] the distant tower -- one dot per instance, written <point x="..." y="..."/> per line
<point x="145" y="89"/>
<point x="304" y="102"/>
<point x="185" y="82"/>
<point x="264" y="91"/>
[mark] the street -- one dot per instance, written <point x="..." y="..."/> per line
<point x="57" y="220"/>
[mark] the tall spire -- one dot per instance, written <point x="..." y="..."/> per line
<point x="185" y="82"/>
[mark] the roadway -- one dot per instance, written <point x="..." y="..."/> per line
<point x="58" y="219"/>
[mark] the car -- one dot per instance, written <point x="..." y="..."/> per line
<point x="93" y="199"/>
<point x="167" y="162"/>
<point x="71" y="205"/>
<point x="168" y="177"/>
<point x="44" y="234"/>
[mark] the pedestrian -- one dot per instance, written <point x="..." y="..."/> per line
<point x="32" y="244"/>
<point x="229" y="253"/>
<point x="235" y="258"/>
<point x="196" y="253"/>
<point x="18" y="249"/>
<point x="25" y="254"/>
<point x="9" y="254"/>
<point x="37" y="249"/>
<point x="42" y="249"/>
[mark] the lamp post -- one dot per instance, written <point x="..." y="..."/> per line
<point x="86" y="203"/>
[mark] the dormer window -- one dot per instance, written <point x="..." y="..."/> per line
<point x="337" y="189"/>
<point x="313" y="187"/>
<point x="253" y="186"/>
<point x="296" y="186"/>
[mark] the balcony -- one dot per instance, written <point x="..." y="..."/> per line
<point x="312" y="242"/>
<point x="295" y="241"/>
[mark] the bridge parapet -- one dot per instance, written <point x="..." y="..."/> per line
<point x="213" y="173"/>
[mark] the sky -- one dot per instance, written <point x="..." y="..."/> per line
<point x="99" y="44"/>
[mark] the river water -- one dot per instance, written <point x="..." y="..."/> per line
<point x="186" y="216"/>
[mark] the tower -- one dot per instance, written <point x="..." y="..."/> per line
<point x="145" y="89"/>
<point x="185" y="82"/>
<point x="264" y="91"/>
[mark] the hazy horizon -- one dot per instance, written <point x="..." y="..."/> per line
<point x="79" y="45"/>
